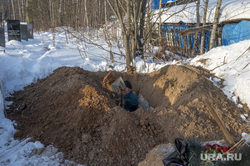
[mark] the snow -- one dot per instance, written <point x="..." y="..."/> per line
<point x="246" y="137"/>
<point x="230" y="10"/>
<point x="230" y="63"/>
<point x="244" y="117"/>
<point x="15" y="152"/>
<point x="31" y="60"/>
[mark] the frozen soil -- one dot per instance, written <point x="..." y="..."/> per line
<point x="73" y="110"/>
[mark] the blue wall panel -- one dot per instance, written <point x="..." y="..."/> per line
<point x="234" y="33"/>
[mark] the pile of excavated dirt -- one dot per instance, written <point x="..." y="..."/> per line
<point x="73" y="111"/>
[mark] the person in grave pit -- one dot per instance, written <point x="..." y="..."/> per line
<point x="129" y="97"/>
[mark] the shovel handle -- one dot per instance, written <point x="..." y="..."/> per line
<point x="121" y="96"/>
<point x="218" y="121"/>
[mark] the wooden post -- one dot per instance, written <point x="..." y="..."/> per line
<point x="218" y="121"/>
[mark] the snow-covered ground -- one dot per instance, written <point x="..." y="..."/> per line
<point x="231" y="63"/>
<point x="25" y="62"/>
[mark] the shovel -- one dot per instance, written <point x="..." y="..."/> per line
<point x="118" y="86"/>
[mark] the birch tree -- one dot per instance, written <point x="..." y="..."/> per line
<point x="215" y="24"/>
<point x="197" y="25"/>
<point x="204" y="20"/>
<point x="159" y="27"/>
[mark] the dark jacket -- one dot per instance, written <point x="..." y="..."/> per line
<point x="130" y="101"/>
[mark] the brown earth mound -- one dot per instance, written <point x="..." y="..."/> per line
<point x="71" y="110"/>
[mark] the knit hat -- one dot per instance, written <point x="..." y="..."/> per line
<point x="128" y="84"/>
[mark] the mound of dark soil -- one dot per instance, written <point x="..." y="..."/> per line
<point x="73" y="111"/>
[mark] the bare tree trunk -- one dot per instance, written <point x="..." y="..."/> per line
<point x="13" y="9"/>
<point x="159" y="25"/>
<point x="105" y="11"/>
<point x="19" y="10"/>
<point x="136" y="13"/>
<point x="127" y="37"/>
<point x="197" y="25"/>
<point x="86" y="17"/>
<point x="99" y="19"/>
<point x="125" y="28"/>
<point x="3" y="12"/>
<point x="76" y="14"/>
<point x="52" y="19"/>
<point x="26" y="13"/>
<point x="148" y="20"/>
<point x="23" y="18"/>
<point x="215" y="24"/>
<point x="60" y="13"/>
<point x="141" y="27"/>
<point x="83" y="14"/>
<point x="132" y="30"/>
<point x="203" y="24"/>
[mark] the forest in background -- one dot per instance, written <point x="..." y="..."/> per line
<point x="54" y="13"/>
<point x="84" y="16"/>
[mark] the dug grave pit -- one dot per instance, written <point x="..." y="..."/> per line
<point x="74" y="110"/>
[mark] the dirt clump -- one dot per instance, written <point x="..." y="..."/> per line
<point x="73" y="109"/>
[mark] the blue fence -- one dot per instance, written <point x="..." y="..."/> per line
<point x="185" y="43"/>
<point x="156" y="3"/>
